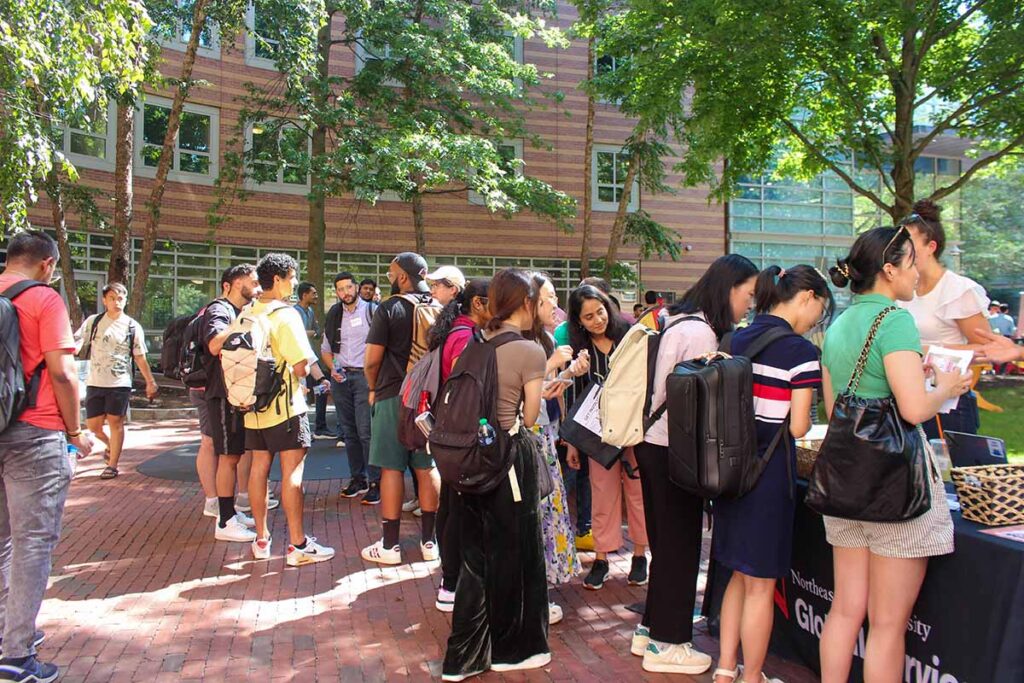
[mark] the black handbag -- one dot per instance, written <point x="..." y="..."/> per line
<point x="872" y="466"/>
<point x="587" y="441"/>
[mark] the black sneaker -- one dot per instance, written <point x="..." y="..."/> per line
<point x="354" y="488"/>
<point x="638" y="571"/>
<point x="37" y="639"/>
<point x="27" y="670"/>
<point x="372" y="496"/>
<point x="598" y="573"/>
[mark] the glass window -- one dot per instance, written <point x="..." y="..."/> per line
<point x="746" y="224"/>
<point x="278" y="154"/>
<point x="792" y="211"/>
<point x="265" y="47"/>
<point x="610" y="176"/>
<point x="87" y="133"/>
<point x="193" y="146"/>
<point x="924" y="165"/>
<point x="948" y="166"/>
<point x="746" y="208"/>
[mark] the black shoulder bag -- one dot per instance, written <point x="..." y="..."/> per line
<point x="872" y="466"/>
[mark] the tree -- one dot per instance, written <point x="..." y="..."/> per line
<point x="828" y="80"/>
<point x="993" y="233"/>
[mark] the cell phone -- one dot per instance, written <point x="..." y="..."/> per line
<point x="557" y="380"/>
<point x="425" y="422"/>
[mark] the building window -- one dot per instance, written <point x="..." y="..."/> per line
<point x="88" y="137"/>
<point x="367" y="53"/>
<point x="510" y="151"/>
<point x="195" y="147"/>
<point x="605" y="64"/>
<point x="260" y="48"/>
<point x="176" y="37"/>
<point x="514" y="46"/>
<point x="608" y="179"/>
<point x="278" y="156"/>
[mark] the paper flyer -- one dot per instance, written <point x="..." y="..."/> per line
<point x="1010" y="533"/>
<point x="947" y="360"/>
<point x="589" y="413"/>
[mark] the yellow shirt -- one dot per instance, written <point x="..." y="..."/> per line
<point x="289" y="346"/>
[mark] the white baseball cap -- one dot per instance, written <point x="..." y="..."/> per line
<point x="451" y="274"/>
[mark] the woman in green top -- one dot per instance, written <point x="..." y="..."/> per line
<point x="879" y="567"/>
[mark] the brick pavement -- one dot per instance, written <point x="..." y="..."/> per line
<point x="140" y="591"/>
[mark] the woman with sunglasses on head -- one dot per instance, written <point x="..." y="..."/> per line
<point x="717" y="301"/>
<point x="754" y="533"/>
<point x="948" y="309"/>
<point x="596" y="327"/>
<point x="879" y="567"/>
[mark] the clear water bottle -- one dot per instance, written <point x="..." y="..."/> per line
<point x="485" y="436"/>
<point x="320" y="389"/>
<point x="73" y="451"/>
<point x="340" y="369"/>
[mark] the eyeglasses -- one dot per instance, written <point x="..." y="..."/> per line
<point x="902" y="229"/>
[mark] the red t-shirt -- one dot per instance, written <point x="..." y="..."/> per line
<point x="455" y="344"/>
<point x="45" y="326"/>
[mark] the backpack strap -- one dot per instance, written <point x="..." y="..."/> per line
<point x="656" y="414"/>
<point x="20" y="287"/>
<point x="34" y="378"/>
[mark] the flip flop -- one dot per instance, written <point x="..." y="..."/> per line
<point x="109" y="473"/>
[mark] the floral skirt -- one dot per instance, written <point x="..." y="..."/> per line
<point x="556" y="527"/>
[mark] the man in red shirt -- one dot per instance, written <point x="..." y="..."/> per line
<point x="35" y="468"/>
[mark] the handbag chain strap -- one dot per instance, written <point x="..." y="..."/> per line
<point x="858" y="370"/>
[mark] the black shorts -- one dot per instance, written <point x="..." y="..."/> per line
<point x="287" y="436"/>
<point x="101" y="401"/>
<point x="227" y="427"/>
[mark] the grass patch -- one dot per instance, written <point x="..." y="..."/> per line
<point x="1008" y="425"/>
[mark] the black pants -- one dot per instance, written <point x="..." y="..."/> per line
<point x="320" y="414"/>
<point x="964" y="418"/>
<point x="501" y="603"/>
<point x="674" y="532"/>
<point x="448" y="528"/>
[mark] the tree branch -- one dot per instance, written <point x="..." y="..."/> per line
<point x="987" y="161"/>
<point x="949" y="30"/>
<point x="963" y="109"/>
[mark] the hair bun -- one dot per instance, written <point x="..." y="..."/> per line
<point x="928" y="210"/>
<point x="840" y="273"/>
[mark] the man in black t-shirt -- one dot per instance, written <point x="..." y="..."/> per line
<point x="388" y="346"/>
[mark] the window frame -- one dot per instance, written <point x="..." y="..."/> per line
<point x="84" y="160"/>
<point x="476" y="198"/>
<point x="595" y="203"/>
<point x="277" y="186"/>
<point x="141" y="169"/>
<point x="251" y="59"/>
<point x="177" y="44"/>
<point x="361" y="58"/>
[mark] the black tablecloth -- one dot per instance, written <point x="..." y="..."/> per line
<point x="967" y="625"/>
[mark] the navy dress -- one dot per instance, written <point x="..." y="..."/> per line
<point x="754" y="534"/>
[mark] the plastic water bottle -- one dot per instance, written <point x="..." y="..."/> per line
<point x="485" y="436"/>
<point x="319" y="389"/>
<point x="73" y="451"/>
<point x="340" y="369"/>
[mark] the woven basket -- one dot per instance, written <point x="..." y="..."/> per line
<point x="991" y="494"/>
<point x="805" y="457"/>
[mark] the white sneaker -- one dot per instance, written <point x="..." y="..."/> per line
<point x="313" y="552"/>
<point x="418" y="512"/>
<point x="554" y="613"/>
<point x="410" y="505"/>
<point x="430" y="551"/>
<point x="272" y="504"/>
<point x="211" y="508"/>
<point x="381" y="555"/>
<point x="445" y="600"/>
<point x="764" y="679"/>
<point x="242" y="503"/>
<point x="245" y="519"/>
<point x="233" y="531"/>
<point x="669" y="658"/>
<point x="641" y="638"/>
<point x="340" y="444"/>
<point x="534" y="662"/>
<point x="261" y="548"/>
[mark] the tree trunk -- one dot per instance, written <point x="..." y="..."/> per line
<point x="417" y="221"/>
<point x="619" y="226"/>
<point x="156" y="195"/>
<point x="121" y="249"/>
<point x="904" y="86"/>
<point x="588" y="152"/>
<point x="316" y="240"/>
<point x="67" y="268"/>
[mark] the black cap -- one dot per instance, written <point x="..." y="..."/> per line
<point x="414" y="265"/>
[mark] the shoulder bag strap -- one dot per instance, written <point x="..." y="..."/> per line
<point x="862" y="361"/>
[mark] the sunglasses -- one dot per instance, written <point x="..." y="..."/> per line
<point x="902" y="229"/>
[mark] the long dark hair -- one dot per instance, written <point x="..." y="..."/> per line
<point x="462" y="304"/>
<point x="579" y="338"/>
<point x="776" y="285"/>
<point x="538" y="333"/>
<point x="926" y="219"/>
<point x="872" y="250"/>
<point x="509" y="289"/>
<point x="712" y="293"/>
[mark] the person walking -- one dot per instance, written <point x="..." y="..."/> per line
<point x="343" y="350"/>
<point x="112" y="341"/>
<point x="879" y="567"/>
<point x="35" y="465"/>
<point x="715" y="303"/>
<point x="282" y="427"/>
<point x="388" y="348"/>
<point x="754" y="533"/>
<point x="308" y="298"/>
<point x="500" y="620"/>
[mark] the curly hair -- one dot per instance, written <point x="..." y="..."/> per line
<point x="274" y="264"/>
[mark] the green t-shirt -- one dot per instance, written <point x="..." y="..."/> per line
<point x="845" y="339"/>
<point x="561" y="334"/>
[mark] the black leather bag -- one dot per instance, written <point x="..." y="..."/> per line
<point x="586" y="441"/>
<point x="872" y="465"/>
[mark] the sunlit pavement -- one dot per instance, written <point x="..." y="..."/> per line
<point x="140" y="591"/>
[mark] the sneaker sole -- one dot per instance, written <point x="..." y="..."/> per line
<point x="381" y="560"/>
<point x="639" y="650"/>
<point x="592" y="587"/>
<point x="30" y="678"/>
<point x="447" y="607"/>
<point x="638" y="583"/>
<point x="211" y="513"/>
<point x="692" y="670"/>
<point x="534" y="662"/>
<point x="370" y="502"/>
<point x="307" y="559"/>
<point x="352" y="495"/>
<point x="460" y="677"/>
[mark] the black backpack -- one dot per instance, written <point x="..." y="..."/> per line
<point x="174" y="340"/>
<point x="192" y="353"/>
<point x="712" y="436"/>
<point x="15" y="394"/>
<point x="470" y="394"/>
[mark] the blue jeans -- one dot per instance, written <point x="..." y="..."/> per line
<point x="964" y="418"/>
<point x="35" y="472"/>
<point x="352" y="403"/>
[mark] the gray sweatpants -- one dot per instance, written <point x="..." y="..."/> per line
<point x="35" y="472"/>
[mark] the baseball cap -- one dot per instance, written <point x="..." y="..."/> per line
<point x="450" y="273"/>
<point x="414" y="265"/>
<point x="994" y="303"/>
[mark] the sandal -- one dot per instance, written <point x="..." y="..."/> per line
<point x="106" y="455"/>
<point x="732" y="674"/>
<point x="109" y="473"/>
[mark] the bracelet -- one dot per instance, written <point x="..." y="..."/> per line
<point x="74" y="435"/>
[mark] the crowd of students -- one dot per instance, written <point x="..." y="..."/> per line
<point x="499" y="551"/>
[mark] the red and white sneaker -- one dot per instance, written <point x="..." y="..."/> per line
<point x="261" y="548"/>
<point x="313" y="552"/>
<point x="381" y="555"/>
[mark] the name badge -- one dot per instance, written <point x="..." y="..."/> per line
<point x="356" y="321"/>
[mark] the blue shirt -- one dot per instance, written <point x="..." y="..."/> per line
<point x="308" y="316"/>
<point x="355" y="325"/>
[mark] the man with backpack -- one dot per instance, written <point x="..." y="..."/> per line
<point x="276" y="422"/>
<point x="397" y="339"/>
<point x="111" y="342"/>
<point x="39" y="420"/>
<point x="343" y="349"/>
<point x="226" y="426"/>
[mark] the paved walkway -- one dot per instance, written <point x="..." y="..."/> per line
<point x="140" y="591"/>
